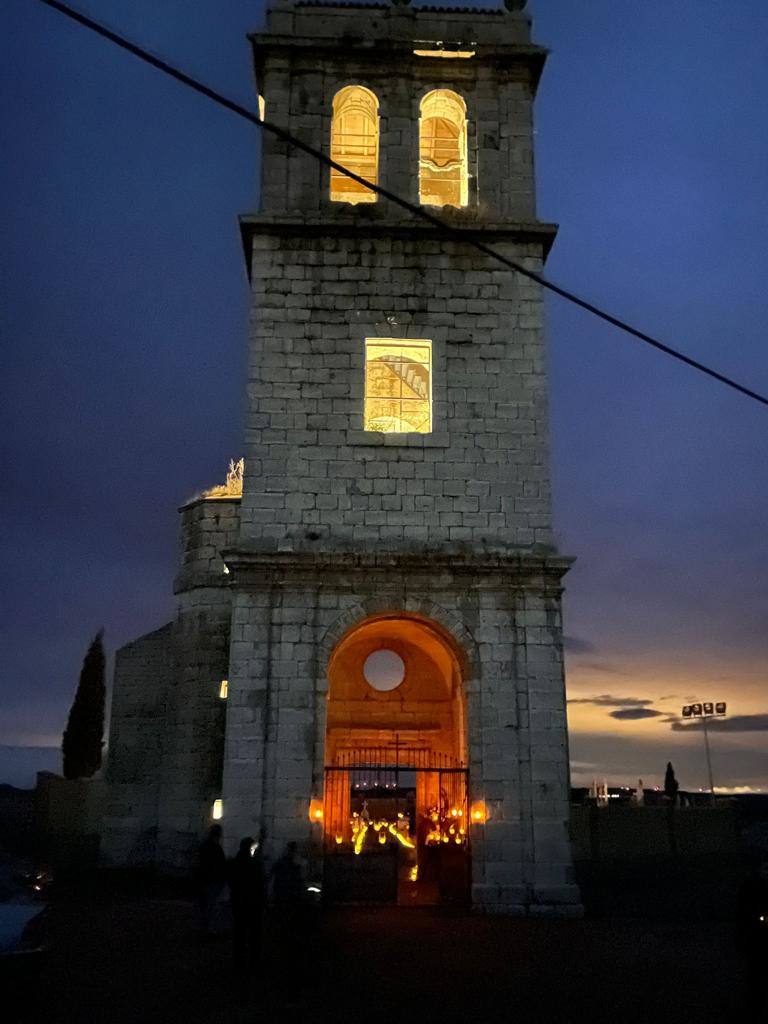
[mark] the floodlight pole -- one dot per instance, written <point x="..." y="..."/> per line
<point x="705" y="709"/>
<point x="709" y="757"/>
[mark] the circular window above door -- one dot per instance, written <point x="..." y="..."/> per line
<point x="384" y="670"/>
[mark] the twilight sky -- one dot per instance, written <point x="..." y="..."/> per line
<point x="123" y="308"/>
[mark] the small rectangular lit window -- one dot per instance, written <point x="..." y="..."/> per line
<point x="224" y="689"/>
<point x="398" y="386"/>
<point x="450" y="54"/>
<point x="218" y="810"/>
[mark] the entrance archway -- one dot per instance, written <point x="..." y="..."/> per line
<point x="395" y="803"/>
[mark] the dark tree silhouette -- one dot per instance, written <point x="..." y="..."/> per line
<point x="82" y="741"/>
<point x="671" y="785"/>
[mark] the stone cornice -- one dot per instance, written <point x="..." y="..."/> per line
<point x="254" y="566"/>
<point x="370" y="224"/>
<point x="381" y="50"/>
<point x="211" y="499"/>
<point x="195" y="579"/>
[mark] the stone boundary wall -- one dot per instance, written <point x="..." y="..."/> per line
<point x="68" y="821"/>
<point x="624" y="833"/>
<point x="137" y="738"/>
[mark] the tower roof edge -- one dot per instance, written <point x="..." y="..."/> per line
<point x="346" y="18"/>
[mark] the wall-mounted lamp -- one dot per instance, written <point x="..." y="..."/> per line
<point x="218" y="810"/>
<point x="478" y="813"/>
<point x="316" y="811"/>
<point x="224" y="689"/>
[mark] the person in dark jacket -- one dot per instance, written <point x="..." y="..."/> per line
<point x="211" y="878"/>
<point x="248" y="891"/>
<point x="290" y="921"/>
<point x="287" y="881"/>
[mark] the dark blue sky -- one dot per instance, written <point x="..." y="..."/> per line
<point x="123" y="312"/>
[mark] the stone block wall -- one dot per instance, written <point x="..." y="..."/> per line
<point x="194" y="751"/>
<point x="314" y="476"/>
<point x="327" y="275"/>
<point x="339" y="523"/>
<point x="69" y="822"/>
<point x="208" y="526"/>
<point x="291" y="610"/>
<point x="332" y="47"/>
<point x="167" y="720"/>
<point x="137" y="734"/>
<point x="193" y="755"/>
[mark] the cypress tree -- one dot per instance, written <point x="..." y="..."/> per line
<point x="83" y="737"/>
<point x="671" y="785"/>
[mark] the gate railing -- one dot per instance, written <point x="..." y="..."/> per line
<point x="377" y="798"/>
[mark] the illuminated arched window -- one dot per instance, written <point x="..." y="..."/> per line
<point x="443" y="149"/>
<point x="355" y="143"/>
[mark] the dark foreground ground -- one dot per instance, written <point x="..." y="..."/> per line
<point x="119" y="959"/>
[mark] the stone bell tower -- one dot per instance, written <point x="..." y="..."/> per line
<point x="397" y="467"/>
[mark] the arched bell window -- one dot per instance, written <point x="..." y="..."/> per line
<point x="355" y="143"/>
<point x="443" y="171"/>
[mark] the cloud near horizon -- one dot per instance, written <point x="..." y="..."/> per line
<point x="600" y="666"/>
<point x="577" y="645"/>
<point x="739" y="723"/>
<point x="607" y="700"/>
<point x="624" y="714"/>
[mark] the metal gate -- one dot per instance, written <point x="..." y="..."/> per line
<point x="396" y="827"/>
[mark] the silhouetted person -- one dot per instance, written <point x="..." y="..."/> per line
<point x="291" y="911"/>
<point x="287" y="881"/>
<point x="211" y="878"/>
<point x="248" y="889"/>
<point x="752" y="937"/>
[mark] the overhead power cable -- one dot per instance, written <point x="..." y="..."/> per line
<point x="463" y="235"/>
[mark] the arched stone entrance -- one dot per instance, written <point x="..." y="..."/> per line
<point x="395" y="798"/>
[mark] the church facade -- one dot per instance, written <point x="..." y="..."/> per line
<point x="367" y="653"/>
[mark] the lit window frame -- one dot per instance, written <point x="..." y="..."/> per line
<point x="446" y="54"/>
<point x="429" y="168"/>
<point x="342" y="189"/>
<point x="369" y="415"/>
